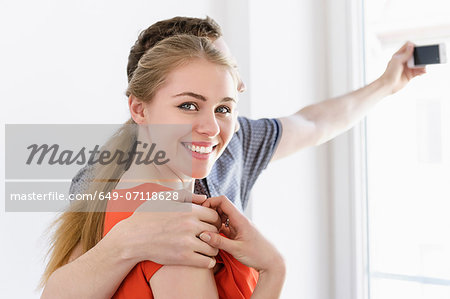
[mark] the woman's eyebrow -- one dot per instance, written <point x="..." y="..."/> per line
<point x="228" y="99"/>
<point x="192" y="94"/>
<point x="202" y="98"/>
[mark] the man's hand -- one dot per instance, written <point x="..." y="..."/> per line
<point x="397" y="73"/>
<point x="243" y="240"/>
<point x="246" y="244"/>
<point x="168" y="237"/>
<point x="168" y="234"/>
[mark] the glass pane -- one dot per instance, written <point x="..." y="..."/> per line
<point x="395" y="289"/>
<point x="408" y="157"/>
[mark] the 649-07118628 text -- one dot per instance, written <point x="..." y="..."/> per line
<point x="52" y="196"/>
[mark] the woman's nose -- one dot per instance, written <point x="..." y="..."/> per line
<point x="206" y="124"/>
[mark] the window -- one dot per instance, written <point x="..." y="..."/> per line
<point x="408" y="157"/>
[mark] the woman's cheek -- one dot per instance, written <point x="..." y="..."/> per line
<point x="228" y="130"/>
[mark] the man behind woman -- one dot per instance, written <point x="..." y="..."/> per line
<point x="183" y="80"/>
<point x="250" y="151"/>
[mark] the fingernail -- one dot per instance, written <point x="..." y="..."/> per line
<point x="205" y="237"/>
<point x="212" y="263"/>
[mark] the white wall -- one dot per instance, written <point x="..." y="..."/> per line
<point x="290" y="202"/>
<point x="64" y="62"/>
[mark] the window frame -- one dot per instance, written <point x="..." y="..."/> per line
<point x="348" y="182"/>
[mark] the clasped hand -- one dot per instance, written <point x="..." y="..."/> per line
<point x="188" y="233"/>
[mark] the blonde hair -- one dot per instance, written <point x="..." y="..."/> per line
<point x="84" y="220"/>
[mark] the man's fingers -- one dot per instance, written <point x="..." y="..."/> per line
<point x="205" y="249"/>
<point x="203" y="226"/>
<point x="170" y="201"/>
<point x="206" y="214"/>
<point x="227" y="209"/>
<point x="220" y="242"/>
<point x="419" y="71"/>
<point x="163" y="206"/>
<point x="200" y="260"/>
<point x="408" y="52"/>
<point x="186" y="196"/>
<point x="198" y="199"/>
<point x="404" y="47"/>
<point x="405" y="52"/>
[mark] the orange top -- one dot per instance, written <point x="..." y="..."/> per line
<point x="234" y="280"/>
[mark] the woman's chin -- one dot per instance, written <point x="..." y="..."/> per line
<point x="194" y="171"/>
<point x="200" y="173"/>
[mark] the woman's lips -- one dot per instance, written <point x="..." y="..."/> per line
<point x="200" y="150"/>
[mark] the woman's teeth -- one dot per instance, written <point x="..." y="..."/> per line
<point x="200" y="149"/>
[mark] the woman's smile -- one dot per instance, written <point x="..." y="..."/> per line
<point x="194" y="109"/>
<point x="200" y="150"/>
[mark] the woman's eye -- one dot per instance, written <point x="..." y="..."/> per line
<point x="188" y="106"/>
<point x="223" y="109"/>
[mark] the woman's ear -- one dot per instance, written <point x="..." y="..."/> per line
<point x="136" y="109"/>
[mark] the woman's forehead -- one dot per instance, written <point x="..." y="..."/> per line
<point x="201" y="74"/>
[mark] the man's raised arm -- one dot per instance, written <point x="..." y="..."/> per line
<point x="318" y="123"/>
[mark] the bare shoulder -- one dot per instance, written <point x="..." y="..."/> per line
<point x="183" y="282"/>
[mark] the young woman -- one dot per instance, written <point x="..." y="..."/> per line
<point x="182" y="97"/>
